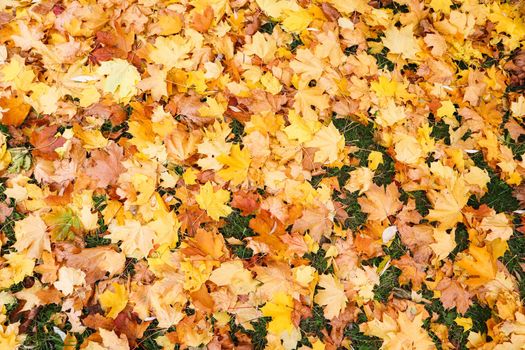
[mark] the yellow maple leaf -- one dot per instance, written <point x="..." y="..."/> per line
<point x="497" y="226"/>
<point x="172" y="51"/>
<point x="238" y="163"/>
<point x="137" y="240"/>
<point x="444" y="243"/>
<point x="68" y="278"/>
<point x="391" y="114"/>
<point x="380" y="202"/>
<point x="400" y="334"/>
<point x="332" y="296"/>
<point x="9" y="338"/>
<point x="441" y="5"/>
<point x="446" y="111"/>
<point x="329" y="143"/>
<point x="233" y="274"/>
<point x="301" y="129"/>
<point x="262" y="46"/>
<point x="121" y="79"/>
<point x="271" y="83"/>
<point x="307" y="65"/>
<point x="447" y="208"/>
<point x="113" y="302"/>
<point x="17" y="267"/>
<point x="276" y="8"/>
<point x="479" y="264"/>
<point x="374" y="159"/>
<point x="213" y="202"/>
<point x="408" y="149"/>
<point x="279" y="308"/>
<point x="297" y="21"/>
<point x="465" y="322"/>
<point x="31" y="236"/>
<point x="401" y="41"/>
<point x="91" y="139"/>
<point x="169" y="24"/>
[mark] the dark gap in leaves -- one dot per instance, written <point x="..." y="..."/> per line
<point x="499" y="196"/>
<point x="315" y="324"/>
<point x="351" y="50"/>
<point x="267" y="27"/>
<point x="237" y="131"/>
<point x="462" y="241"/>
<point x="356" y="218"/>
<point x="237" y="226"/>
<point x="387" y="282"/>
<point x="360" y="340"/>
<point x="396" y="249"/>
<point x="319" y="261"/>
<point x="296" y="42"/>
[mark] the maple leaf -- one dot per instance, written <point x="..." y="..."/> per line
<point x="15" y="110"/>
<point x="48" y="269"/>
<point x="113" y="302"/>
<point x="121" y="79"/>
<point x="401" y="41"/>
<point x="444" y="243"/>
<point x="437" y="42"/>
<point x="400" y="334"/>
<point x="479" y="265"/>
<point x="410" y="271"/>
<point x="329" y="143"/>
<point x="106" y="165"/>
<point x="447" y="209"/>
<point x="454" y="295"/>
<point x="380" y="202"/>
<point x="307" y="64"/>
<point x="280" y="309"/>
<point x="301" y="129"/>
<point x="202" y="21"/>
<point x="111" y="341"/>
<point x="97" y="262"/>
<point x="332" y="296"/>
<point x="238" y="163"/>
<point x="68" y="278"/>
<point x="16" y="267"/>
<point x="31" y="234"/>
<point x="64" y="224"/>
<point x="214" y="202"/>
<point x="137" y="240"/>
<point x="316" y="221"/>
<point x="235" y="276"/>
<point x="171" y="51"/>
<point x="391" y="114"/>
<point x="498" y="226"/>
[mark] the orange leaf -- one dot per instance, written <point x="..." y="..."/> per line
<point x="17" y="110"/>
<point x="202" y="21"/>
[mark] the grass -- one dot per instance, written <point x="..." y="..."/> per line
<point x="41" y="334"/>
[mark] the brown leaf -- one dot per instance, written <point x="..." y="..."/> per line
<point x="454" y="295"/>
<point x="247" y="202"/>
<point x="45" y="142"/>
<point x="5" y="211"/>
<point x="330" y="12"/>
<point x="97" y="321"/>
<point x="411" y="271"/>
<point x="129" y="324"/>
<point x="96" y="262"/>
<point x="106" y="165"/>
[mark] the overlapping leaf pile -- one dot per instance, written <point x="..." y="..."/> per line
<point x="268" y="173"/>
